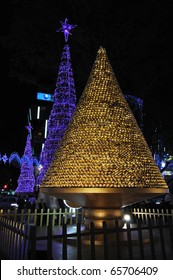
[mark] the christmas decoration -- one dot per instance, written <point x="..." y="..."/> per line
<point x="103" y="159"/>
<point x="26" y="180"/>
<point x="64" y="105"/>
<point x="66" y="29"/>
<point x="5" y="158"/>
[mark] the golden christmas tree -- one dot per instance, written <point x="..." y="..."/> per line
<point x="103" y="157"/>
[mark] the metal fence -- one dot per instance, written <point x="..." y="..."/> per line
<point x="149" y="236"/>
<point x="41" y="217"/>
<point x="14" y="241"/>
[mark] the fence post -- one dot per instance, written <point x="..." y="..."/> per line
<point x="92" y="241"/>
<point x="71" y="216"/>
<point x="170" y="232"/>
<point x="117" y="236"/>
<point x="32" y="243"/>
<point x="13" y="238"/>
<point x="129" y="241"/>
<point x="64" y="243"/>
<point x="15" y="215"/>
<point x="79" y="249"/>
<point x="65" y="216"/>
<point x="162" y="238"/>
<point x="105" y="240"/>
<point x="49" y="240"/>
<point x="140" y="240"/>
<point x="17" y="239"/>
<point x="59" y="218"/>
<point x="53" y="216"/>
<point x="7" y="237"/>
<point x="151" y="239"/>
<point x="47" y="218"/>
<point x="76" y="216"/>
<point x="24" y="255"/>
<point x="35" y="217"/>
<point x="41" y="217"/>
<point x="28" y="216"/>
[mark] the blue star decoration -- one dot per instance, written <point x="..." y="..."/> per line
<point x="66" y="28"/>
<point x="5" y="158"/>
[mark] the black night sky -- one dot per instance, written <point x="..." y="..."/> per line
<point x="137" y="36"/>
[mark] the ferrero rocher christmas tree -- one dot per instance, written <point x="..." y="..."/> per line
<point x="103" y="159"/>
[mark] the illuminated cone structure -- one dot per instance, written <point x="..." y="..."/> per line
<point x="26" y="180"/>
<point x="64" y="105"/>
<point x="103" y="161"/>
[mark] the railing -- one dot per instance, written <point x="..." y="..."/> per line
<point x="41" y="217"/>
<point x="129" y="242"/>
<point x="14" y="240"/>
<point x="152" y="213"/>
<point x="62" y="235"/>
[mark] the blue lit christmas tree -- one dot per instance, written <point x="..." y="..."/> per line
<point x="64" y="105"/>
<point x="26" y="180"/>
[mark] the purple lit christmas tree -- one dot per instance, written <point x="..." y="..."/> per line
<point x="26" y="180"/>
<point x="64" y="105"/>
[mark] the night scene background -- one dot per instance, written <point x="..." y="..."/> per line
<point x="137" y="36"/>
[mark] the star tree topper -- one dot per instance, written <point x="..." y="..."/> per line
<point x="66" y="29"/>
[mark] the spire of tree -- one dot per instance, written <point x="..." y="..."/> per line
<point x="64" y="105"/>
<point x="26" y="180"/>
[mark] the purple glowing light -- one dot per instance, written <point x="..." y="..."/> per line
<point x="66" y="29"/>
<point x="64" y="105"/>
<point x="26" y="180"/>
<point x="5" y="158"/>
<point x="28" y="127"/>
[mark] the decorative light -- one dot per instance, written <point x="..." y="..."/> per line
<point x="103" y="146"/>
<point x="5" y="158"/>
<point x="163" y="163"/>
<point x="26" y="180"/>
<point x="127" y="218"/>
<point x="64" y="105"/>
<point x="66" y="28"/>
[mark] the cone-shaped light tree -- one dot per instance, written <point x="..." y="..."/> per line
<point x="103" y="161"/>
<point x="26" y="180"/>
<point x="64" y="105"/>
